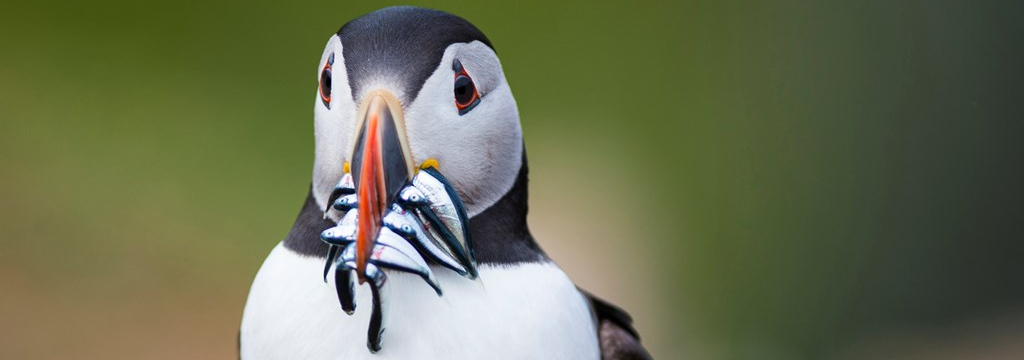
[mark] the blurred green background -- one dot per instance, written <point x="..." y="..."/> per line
<point x="751" y="180"/>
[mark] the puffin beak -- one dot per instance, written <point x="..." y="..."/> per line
<point x="381" y="165"/>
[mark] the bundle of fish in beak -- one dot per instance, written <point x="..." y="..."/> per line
<point x="395" y="216"/>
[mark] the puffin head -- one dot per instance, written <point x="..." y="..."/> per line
<point x="403" y="88"/>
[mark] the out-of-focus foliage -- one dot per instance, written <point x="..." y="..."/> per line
<point x="787" y="180"/>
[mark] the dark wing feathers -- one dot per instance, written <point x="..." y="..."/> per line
<point x="619" y="340"/>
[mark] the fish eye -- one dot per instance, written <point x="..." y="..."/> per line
<point x="466" y="95"/>
<point x="325" y="82"/>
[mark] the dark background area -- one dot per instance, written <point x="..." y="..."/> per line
<point x="751" y="180"/>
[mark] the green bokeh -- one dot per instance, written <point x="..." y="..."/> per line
<point x="814" y="173"/>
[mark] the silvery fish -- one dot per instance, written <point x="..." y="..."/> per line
<point x="380" y="302"/>
<point x="408" y="225"/>
<point x="443" y="214"/>
<point x="393" y="251"/>
<point x="341" y="235"/>
<point x="346" y="186"/>
<point x="426" y="221"/>
<point x="345" y="203"/>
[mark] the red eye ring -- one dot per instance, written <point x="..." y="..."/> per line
<point x="465" y="92"/>
<point x="325" y="82"/>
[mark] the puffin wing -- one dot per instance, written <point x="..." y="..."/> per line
<point x="619" y="340"/>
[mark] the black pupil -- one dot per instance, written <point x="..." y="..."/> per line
<point x="464" y="89"/>
<point x="325" y="82"/>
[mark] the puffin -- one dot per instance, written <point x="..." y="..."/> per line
<point x="413" y="241"/>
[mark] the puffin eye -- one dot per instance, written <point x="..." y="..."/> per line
<point x="466" y="96"/>
<point x="325" y="82"/>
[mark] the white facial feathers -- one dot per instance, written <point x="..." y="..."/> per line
<point x="480" y="151"/>
<point x="332" y="127"/>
